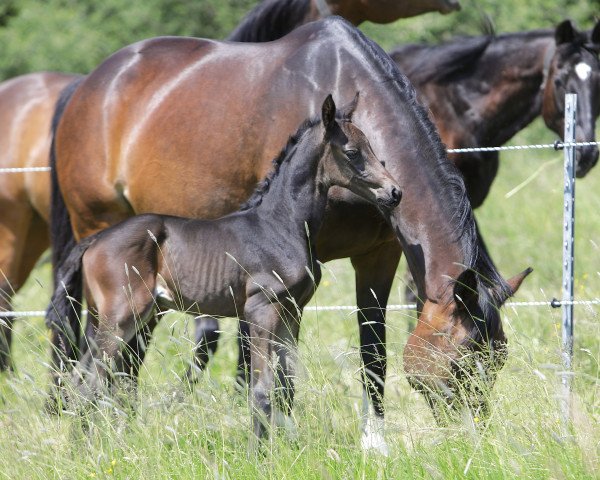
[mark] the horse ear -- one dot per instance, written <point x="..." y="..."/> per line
<point x="515" y="282"/>
<point x="565" y="32"/>
<point x="328" y="112"/>
<point x="348" y="110"/>
<point x="465" y="291"/>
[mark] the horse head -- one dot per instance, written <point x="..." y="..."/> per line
<point x="459" y="345"/>
<point x="351" y="162"/>
<point x="572" y="66"/>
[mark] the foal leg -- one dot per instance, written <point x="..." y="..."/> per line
<point x="274" y="337"/>
<point x="374" y="276"/>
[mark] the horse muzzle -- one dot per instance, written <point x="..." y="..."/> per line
<point x="585" y="159"/>
<point x="389" y="197"/>
<point x="450" y="6"/>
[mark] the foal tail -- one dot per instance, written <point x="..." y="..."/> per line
<point x="63" y="240"/>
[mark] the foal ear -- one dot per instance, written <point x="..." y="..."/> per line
<point x="348" y="110"/>
<point x="328" y="112"/>
<point x="565" y="32"/>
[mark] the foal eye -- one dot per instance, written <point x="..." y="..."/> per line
<point x="351" y="154"/>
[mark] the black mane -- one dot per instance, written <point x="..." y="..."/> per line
<point x="424" y="63"/>
<point x="456" y="205"/>
<point x="287" y="152"/>
<point x="270" y="20"/>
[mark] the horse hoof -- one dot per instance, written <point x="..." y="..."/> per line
<point x="373" y="442"/>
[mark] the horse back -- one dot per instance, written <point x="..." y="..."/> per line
<point x="26" y="108"/>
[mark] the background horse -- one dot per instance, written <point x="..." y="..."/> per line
<point x="258" y="263"/>
<point x="26" y="107"/>
<point x="481" y="91"/>
<point x="147" y="126"/>
<point x="272" y="19"/>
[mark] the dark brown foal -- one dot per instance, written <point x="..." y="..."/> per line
<point x="258" y="264"/>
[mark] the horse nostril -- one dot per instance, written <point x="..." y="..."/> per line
<point x="396" y="195"/>
<point x="383" y="163"/>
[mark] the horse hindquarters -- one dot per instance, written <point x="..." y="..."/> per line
<point x="120" y="272"/>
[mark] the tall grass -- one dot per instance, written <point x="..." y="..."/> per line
<point x="204" y="433"/>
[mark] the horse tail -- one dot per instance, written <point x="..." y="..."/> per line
<point x="62" y="304"/>
<point x="62" y="236"/>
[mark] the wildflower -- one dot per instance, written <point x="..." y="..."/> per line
<point x="114" y="462"/>
<point x="476" y="419"/>
<point x="92" y="475"/>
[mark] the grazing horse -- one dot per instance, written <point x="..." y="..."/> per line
<point x="26" y="107"/>
<point x="258" y="263"/>
<point x="481" y="91"/>
<point x="146" y="132"/>
<point x="272" y="19"/>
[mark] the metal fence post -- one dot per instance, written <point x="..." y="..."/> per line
<point x="568" y="252"/>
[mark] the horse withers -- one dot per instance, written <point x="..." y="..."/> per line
<point x="258" y="264"/>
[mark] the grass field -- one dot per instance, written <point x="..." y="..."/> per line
<point x="204" y="434"/>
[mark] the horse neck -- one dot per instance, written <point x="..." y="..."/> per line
<point x="298" y="191"/>
<point x="500" y="96"/>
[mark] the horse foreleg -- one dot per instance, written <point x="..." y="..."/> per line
<point x="374" y="276"/>
<point x="206" y="341"/>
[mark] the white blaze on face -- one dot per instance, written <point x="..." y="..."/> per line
<point x="583" y="70"/>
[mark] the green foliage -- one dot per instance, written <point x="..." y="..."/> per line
<point x="75" y="35"/>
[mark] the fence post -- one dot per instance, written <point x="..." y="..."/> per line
<point x="568" y="253"/>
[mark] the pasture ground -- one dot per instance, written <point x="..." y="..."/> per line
<point x="204" y="434"/>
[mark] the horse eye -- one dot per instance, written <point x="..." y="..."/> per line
<point x="351" y="154"/>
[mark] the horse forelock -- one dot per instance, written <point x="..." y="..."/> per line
<point x="270" y="20"/>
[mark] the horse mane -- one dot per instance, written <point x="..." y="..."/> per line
<point x="491" y="287"/>
<point x="424" y="63"/>
<point x="270" y="20"/>
<point x="286" y="153"/>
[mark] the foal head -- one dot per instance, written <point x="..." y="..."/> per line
<point x="349" y="160"/>
<point x="574" y="68"/>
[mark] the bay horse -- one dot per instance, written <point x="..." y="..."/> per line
<point x="481" y="91"/>
<point x="147" y="126"/>
<point x="26" y="106"/>
<point x="258" y="263"/>
<point x="272" y="19"/>
<point x="25" y="198"/>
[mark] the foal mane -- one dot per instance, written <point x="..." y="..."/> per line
<point x="286" y="153"/>
<point x="270" y="20"/>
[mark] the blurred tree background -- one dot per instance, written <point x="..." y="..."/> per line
<point x="75" y="35"/>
